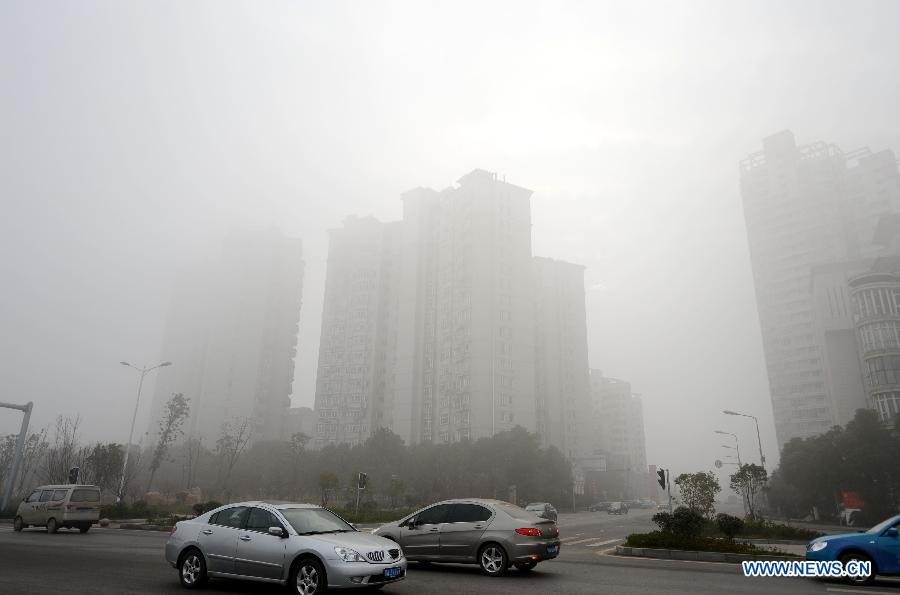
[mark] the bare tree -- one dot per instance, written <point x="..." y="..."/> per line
<point x="63" y="453"/>
<point x="177" y="409"/>
<point x="33" y="454"/>
<point x="230" y="446"/>
<point x="102" y="465"/>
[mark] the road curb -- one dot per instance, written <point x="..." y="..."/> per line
<point x="661" y="554"/>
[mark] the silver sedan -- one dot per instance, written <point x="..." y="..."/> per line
<point x="306" y="547"/>
<point x="491" y="533"/>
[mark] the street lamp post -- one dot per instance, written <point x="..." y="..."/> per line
<point x="762" y="457"/>
<point x="144" y="371"/>
<point x="737" y="446"/>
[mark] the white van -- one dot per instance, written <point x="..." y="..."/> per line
<point x="55" y="506"/>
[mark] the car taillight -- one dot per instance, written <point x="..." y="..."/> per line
<point x="529" y="531"/>
<point x="174" y="528"/>
<point x="71" y="507"/>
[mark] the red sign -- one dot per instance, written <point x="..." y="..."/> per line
<point x="851" y="500"/>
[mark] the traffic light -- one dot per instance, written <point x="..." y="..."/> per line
<point x="73" y="475"/>
<point x="661" y="478"/>
<point x="361" y="481"/>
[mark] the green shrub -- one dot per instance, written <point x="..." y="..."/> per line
<point x="687" y="522"/>
<point x="663" y="520"/>
<point x="202" y="507"/>
<point x="672" y="541"/>
<point x="371" y="515"/>
<point x="729" y="525"/>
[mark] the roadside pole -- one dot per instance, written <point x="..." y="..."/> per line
<point x="360" y="486"/>
<point x="669" y="488"/>
<point x="20" y="446"/>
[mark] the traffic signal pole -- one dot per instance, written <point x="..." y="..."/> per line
<point x="20" y="446"/>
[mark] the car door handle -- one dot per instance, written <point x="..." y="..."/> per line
<point x="433" y="529"/>
<point x="479" y="526"/>
<point x="244" y="538"/>
<point x="207" y="531"/>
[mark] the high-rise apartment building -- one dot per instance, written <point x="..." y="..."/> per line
<point x="618" y="423"/>
<point x="562" y="376"/>
<point x="804" y="206"/>
<point x="457" y="304"/>
<point x="232" y="335"/>
<point x="355" y="383"/>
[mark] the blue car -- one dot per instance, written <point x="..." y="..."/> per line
<point x="880" y="545"/>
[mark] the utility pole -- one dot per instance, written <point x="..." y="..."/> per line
<point x="20" y="446"/>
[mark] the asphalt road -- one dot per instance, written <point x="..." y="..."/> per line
<point x="124" y="561"/>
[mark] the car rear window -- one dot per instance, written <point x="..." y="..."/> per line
<point x="59" y="494"/>
<point x="85" y="496"/>
<point x="515" y="512"/>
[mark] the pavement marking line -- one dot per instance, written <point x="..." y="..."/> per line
<point x="581" y="541"/>
<point x="568" y="539"/>
<point x="833" y="590"/>
<point x="599" y="543"/>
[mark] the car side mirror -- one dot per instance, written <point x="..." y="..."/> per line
<point x="892" y="532"/>
<point x="277" y="531"/>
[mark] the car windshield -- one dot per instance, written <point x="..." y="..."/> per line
<point x="884" y="525"/>
<point x="312" y="521"/>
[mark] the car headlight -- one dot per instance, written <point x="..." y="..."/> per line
<point x="348" y="555"/>
<point x="818" y="546"/>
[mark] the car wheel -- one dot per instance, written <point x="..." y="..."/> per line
<point x="493" y="560"/>
<point x="192" y="569"/>
<point x="308" y="577"/>
<point x="525" y="566"/>
<point x="84" y="528"/>
<point x="859" y="557"/>
<point x="18" y="524"/>
<point x="52" y="526"/>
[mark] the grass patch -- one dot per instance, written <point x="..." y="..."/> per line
<point x="770" y="530"/>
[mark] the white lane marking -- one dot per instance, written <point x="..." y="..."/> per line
<point x="567" y="539"/>
<point x="599" y="543"/>
<point x="581" y="541"/>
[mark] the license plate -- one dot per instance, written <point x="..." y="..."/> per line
<point x="552" y="549"/>
<point x="392" y="572"/>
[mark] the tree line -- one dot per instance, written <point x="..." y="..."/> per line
<point x="861" y="458"/>
<point x="235" y="466"/>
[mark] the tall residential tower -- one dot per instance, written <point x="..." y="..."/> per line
<point x="807" y="205"/>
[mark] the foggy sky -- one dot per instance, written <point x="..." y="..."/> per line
<point x="134" y="135"/>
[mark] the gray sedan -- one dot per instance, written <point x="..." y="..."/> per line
<point x="303" y="546"/>
<point x="490" y="533"/>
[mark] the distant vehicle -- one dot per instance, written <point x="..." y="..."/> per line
<point x="306" y="547"/>
<point x="617" y="508"/>
<point x="491" y="533"/>
<point x="599" y="506"/>
<point x="663" y="507"/>
<point x="545" y="510"/>
<point x="72" y="506"/>
<point x="880" y="545"/>
<point x="646" y="503"/>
